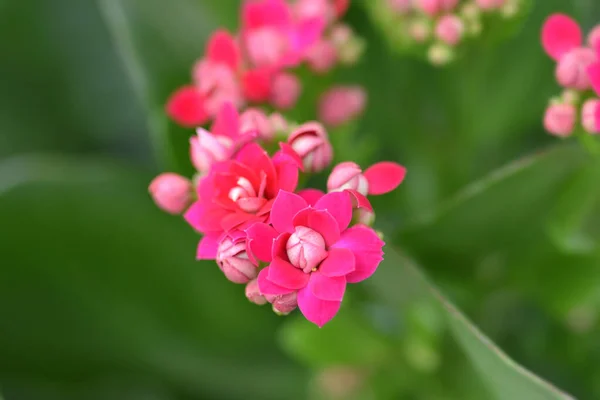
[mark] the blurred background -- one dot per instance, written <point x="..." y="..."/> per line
<point x="100" y="295"/>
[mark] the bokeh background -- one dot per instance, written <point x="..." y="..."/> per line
<point x="100" y="295"/>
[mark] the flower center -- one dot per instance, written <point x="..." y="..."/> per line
<point x="242" y="190"/>
<point x="246" y="197"/>
<point x="306" y="249"/>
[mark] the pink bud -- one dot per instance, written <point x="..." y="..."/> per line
<point x="306" y="249"/>
<point x="255" y="120"/>
<point x="449" y="29"/>
<point x="432" y="7"/>
<point x="206" y="149"/>
<point x="490" y="4"/>
<point x="278" y="123"/>
<point x="347" y="175"/>
<point x="311" y="143"/>
<point x="285" y="91"/>
<point x="253" y="293"/>
<point x="419" y="30"/>
<point x="322" y="56"/>
<point x="341" y="104"/>
<point x="285" y="304"/>
<point x="171" y="192"/>
<point x="233" y="259"/>
<point x="594" y="37"/>
<point x="400" y="6"/>
<point x="590" y="116"/>
<point x="559" y="119"/>
<point x="571" y="70"/>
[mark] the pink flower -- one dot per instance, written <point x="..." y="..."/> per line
<point x="186" y="107"/>
<point x="285" y="90"/>
<point x="341" y="104"/>
<point x="560" y="34"/>
<point x="593" y="70"/>
<point x="573" y="66"/>
<point x="253" y="293"/>
<point x="449" y="29"/>
<point x="322" y="56"/>
<point x="560" y="119"/>
<point x="306" y="9"/>
<point x="233" y="259"/>
<point x="312" y="144"/>
<point x="490" y="4"/>
<point x="171" y="192"/>
<point x="594" y="38"/>
<point x="257" y="84"/>
<point x="590" y="116"/>
<point x="254" y="119"/>
<point x="378" y="179"/>
<point x="299" y="236"/>
<point x="239" y="191"/>
<point x="432" y="7"/>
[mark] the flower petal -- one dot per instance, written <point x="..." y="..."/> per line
<point x="285" y="207"/>
<point x="327" y="288"/>
<point x="266" y="287"/>
<point x="360" y="201"/>
<point x="208" y="245"/>
<point x="284" y="274"/>
<point x="311" y="195"/>
<point x="593" y="72"/>
<point x="186" y="107"/>
<point x="384" y="177"/>
<point x="227" y="122"/>
<point x="367" y="249"/>
<point x="321" y="221"/>
<point x="287" y="172"/>
<point x="260" y="240"/>
<point x="255" y="157"/>
<point x="339" y="205"/>
<point x="339" y="262"/>
<point x="560" y="34"/>
<point x="205" y="217"/>
<point x="279" y="247"/>
<point x="315" y="310"/>
<point x="222" y="48"/>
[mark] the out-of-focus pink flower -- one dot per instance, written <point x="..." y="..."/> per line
<point x="257" y="84"/>
<point x="572" y="68"/>
<point x="285" y="90"/>
<point x="560" y="119"/>
<point x="322" y="56"/>
<point x="593" y="38"/>
<point x="400" y="6"/>
<point x="171" y="192"/>
<point x="307" y="9"/>
<point x="432" y="7"/>
<point x="253" y="293"/>
<point x="236" y="192"/>
<point x="490" y="4"/>
<point x="450" y="29"/>
<point x="312" y="144"/>
<point x="380" y="178"/>
<point x="560" y="34"/>
<point x="233" y="259"/>
<point x="593" y="71"/>
<point x="341" y="104"/>
<point x="254" y="119"/>
<point x="353" y="254"/>
<point x="187" y="107"/>
<point x="590" y="116"/>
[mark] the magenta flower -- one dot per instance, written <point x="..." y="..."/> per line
<point x="450" y="29"/>
<point x="233" y="259"/>
<point x="312" y="144"/>
<point x="378" y="179"/>
<point x="560" y="119"/>
<point x="593" y="69"/>
<point x="560" y="34"/>
<point x="313" y="252"/>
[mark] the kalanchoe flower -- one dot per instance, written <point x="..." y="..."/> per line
<point x="285" y="90"/>
<point x="352" y="253"/>
<point x="312" y="144"/>
<point x="572" y="68"/>
<point x="171" y="192"/>
<point x="253" y="293"/>
<point x="322" y="56"/>
<point x="590" y="116"/>
<point x="341" y="104"/>
<point x="255" y="120"/>
<point x="449" y="29"/>
<point x="378" y="179"/>
<point x="560" y="119"/>
<point x="233" y="259"/>
<point x="560" y="34"/>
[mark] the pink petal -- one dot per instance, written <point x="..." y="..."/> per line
<point x="321" y="221"/>
<point x="235" y="220"/>
<point x="593" y="72"/>
<point x="311" y="195"/>
<point x="288" y="151"/>
<point x="227" y="122"/>
<point x="597" y="118"/>
<point x="284" y="274"/>
<point x="205" y="217"/>
<point x="285" y="207"/>
<point x="339" y="205"/>
<point x="327" y="288"/>
<point x="260" y="240"/>
<point x="315" y="310"/>
<point x="384" y="177"/>
<point x="560" y="34"/>
<point x="256" y="84"/>
<point x="207" y="248"/>
<point x="339" y="262"/>
<point x="187" y="107"/>
<point x="255" y="157"/>
<point x="367" y="249"/>
<point x="223" y="49"/>
<point x="360" y="201"/>
<point x="266" y="287"/>
<point x="287" y="172"/>
<point x="279" y="247"/>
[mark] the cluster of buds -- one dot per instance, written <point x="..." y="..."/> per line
<point x="292" y="247"/>
<point x="256" y="66"/>
<point x="578" y="72"/>
<point x="438" y="27"/>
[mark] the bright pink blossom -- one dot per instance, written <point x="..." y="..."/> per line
<point x="186" y="106"/>
<point x="233" y="259"/>
<point x="240" y="191"/>
<point x="560" y="34"/>
<point x="312" y="144"/>
<point x="593" y="70"/>
<point x="590" y="116"/>
<point x="346" y="254"/>
<point x="171" y="192"/>
<point x="449" y="29"/>
<point x="560" y="119"/>
<point x="378" y="179"/>
<point x="341" y="104"/>
<point x="572" y="68"/>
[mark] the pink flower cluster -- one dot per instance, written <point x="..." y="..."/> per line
<point x="256" y="65"/>
<point x="291" y="247"/>
<point x="577" y="71"/>
<point x="442" y="25"/>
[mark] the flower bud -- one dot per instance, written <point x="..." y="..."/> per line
<point x="284" y="304"/>
<point x="432" y="7"/>
<point x="571" y="71"/>
<point x="255" y="120"/>
<point x="400" y="7"/>
<point x="171" y="192"/>
<point x="233" y="260"/>
<point x="449" y="29"/>
<point x="285" y="91"/>
<point x="590" y="116"/>
<point x="278" y="123"/>
<point x="253" y="293"/>
<point x="207" y="149"/>
<point x="488" y="5"/>
<point x="341" y="104"/>
<point x="420" y="30"/>
<point x="347" y="175"/>
<point x="440" y="54"/>
<point x="559" y="119"/>
<point x="311" y="143"/>
<point x="594" y="37"/>
<point x="306" y="249"/>
<point x="322" y="56"/>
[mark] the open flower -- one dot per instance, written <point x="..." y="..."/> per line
<point x="240" y="191"/>
<point x="380" y="178"/>
<point x="313" y="252"/>
<point x="312" y="144"/>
